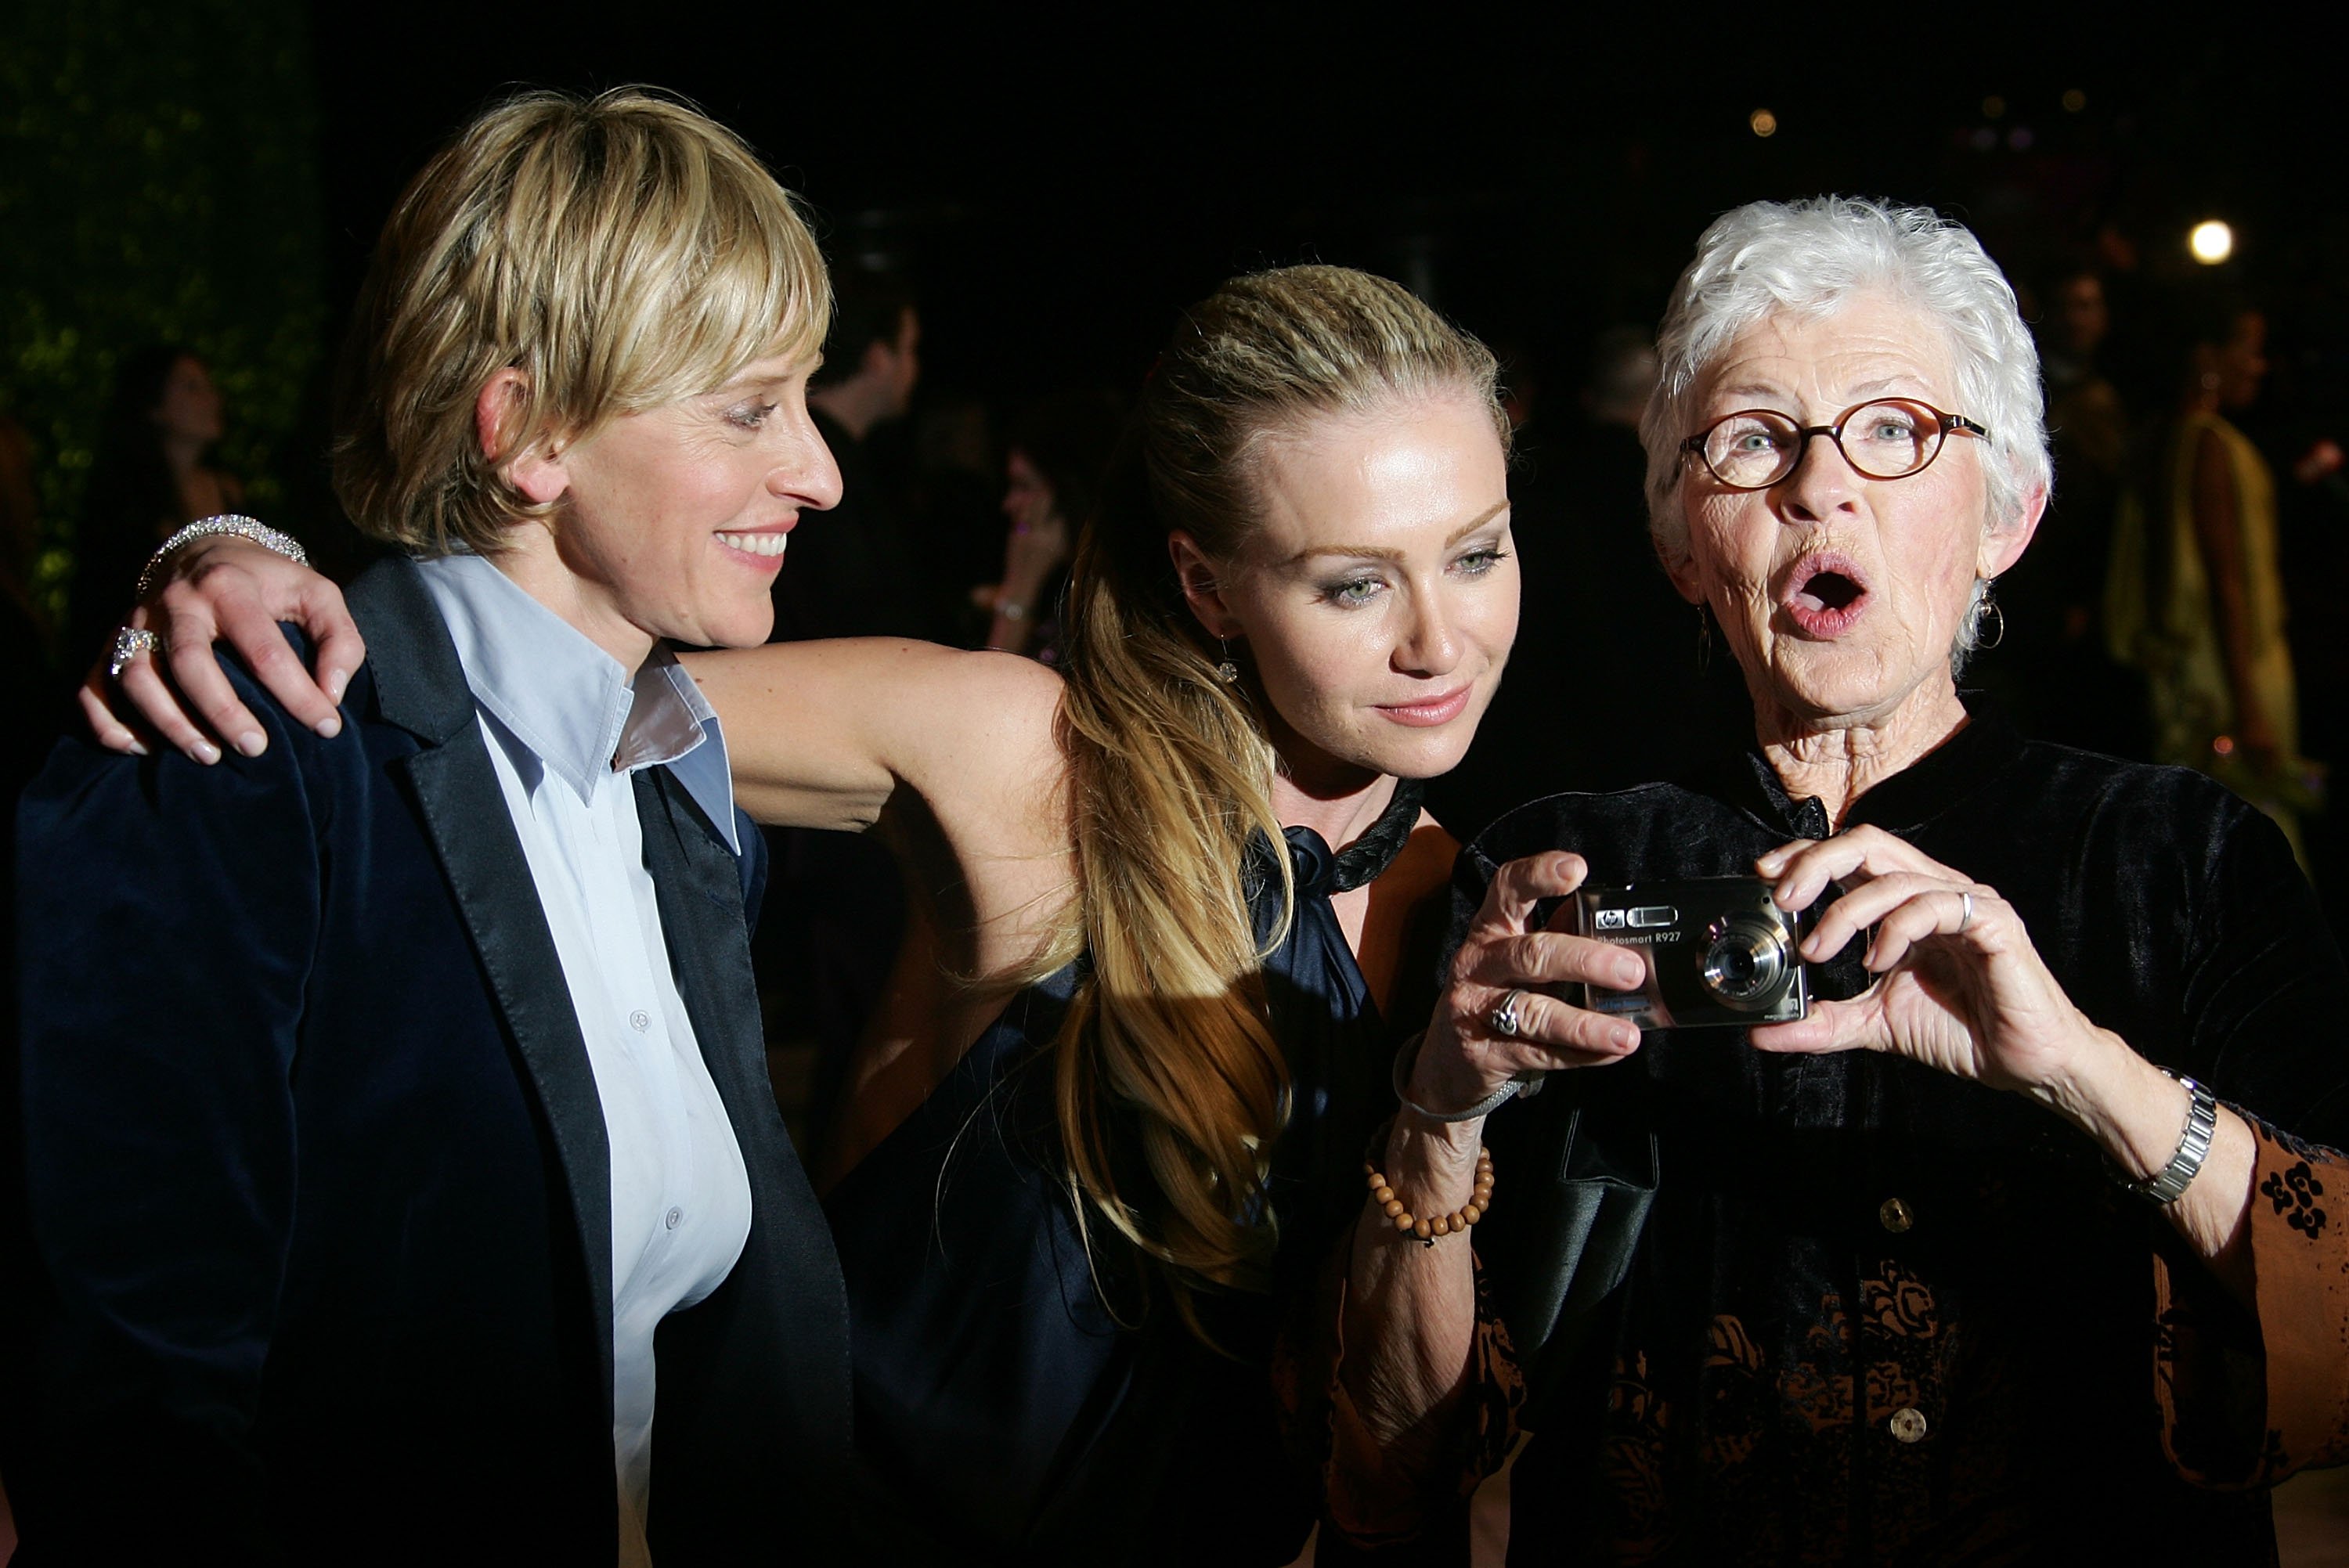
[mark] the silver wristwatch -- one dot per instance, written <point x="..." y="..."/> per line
<point x="2164" y="1185"/>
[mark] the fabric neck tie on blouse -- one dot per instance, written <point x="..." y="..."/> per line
<point x="1312" y="977"/>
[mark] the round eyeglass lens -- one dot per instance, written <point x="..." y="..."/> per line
<point x="1889" y="440"/>
<point x="1753" y="450"/>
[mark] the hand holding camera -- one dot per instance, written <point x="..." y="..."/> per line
<point x="1959" y="985"/>
<point x="1501" y="1015"/>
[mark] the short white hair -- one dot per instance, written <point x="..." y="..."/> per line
<point x="1814" y="257"/>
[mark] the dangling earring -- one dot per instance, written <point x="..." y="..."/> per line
<point x="1988" y="608"/>
<point x="1704" y="638"/>
<point x="1227" y="672"/>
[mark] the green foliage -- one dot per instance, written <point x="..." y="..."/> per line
<point x="157" y="182"/>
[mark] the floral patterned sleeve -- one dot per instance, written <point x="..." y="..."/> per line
<point x="2248" y="1398"/>
<point x="1374" y="1499"/>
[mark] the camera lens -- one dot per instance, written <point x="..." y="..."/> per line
<point x="1745" y="961"/>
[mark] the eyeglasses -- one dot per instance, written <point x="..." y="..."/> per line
<point x="1890" y="439"/>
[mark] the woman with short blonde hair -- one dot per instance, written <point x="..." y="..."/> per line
<point x="420" y="1146"/>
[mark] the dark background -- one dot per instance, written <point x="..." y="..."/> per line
<point x="1059" y="183"/>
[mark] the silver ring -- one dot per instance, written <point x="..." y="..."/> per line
<point x="1505" y="1020"/>
<point x="129" y="642"/>
<point x="1967" y="918"/>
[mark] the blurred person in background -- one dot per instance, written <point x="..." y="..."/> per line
<point x="27" y="693"/>
<point x="151" y="475"/>
<point x="1052" y="472"/>
<point x="2049" y="667"/>
<point x="956" y="507"/>
<point x="2196" y="597"/>
<point x="852" y="574"/>
<point x="838" y="911"/>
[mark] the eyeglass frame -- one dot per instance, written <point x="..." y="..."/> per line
<point x="1949" y="425"/>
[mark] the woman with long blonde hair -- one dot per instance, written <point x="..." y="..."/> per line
<point x="1113" y="1113"/>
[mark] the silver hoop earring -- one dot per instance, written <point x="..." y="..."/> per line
<point x="1988" y="609"/>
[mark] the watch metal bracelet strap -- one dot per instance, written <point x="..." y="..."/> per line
<point x="2164" y="1185"/>
<point x="1527" y="1084"/>
<point x="237" y="523"/>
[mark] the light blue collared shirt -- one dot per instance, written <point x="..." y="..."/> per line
<point x="565" y="729"/>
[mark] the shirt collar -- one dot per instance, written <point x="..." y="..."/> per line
<point x="568" y="702"/>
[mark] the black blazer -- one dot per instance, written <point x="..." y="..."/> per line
<point x="319" y="1173"/>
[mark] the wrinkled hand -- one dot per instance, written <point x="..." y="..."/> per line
<point x="234" y="589"/>
<point x="1971" y="998"/>
<point x="1461" y="1059"/>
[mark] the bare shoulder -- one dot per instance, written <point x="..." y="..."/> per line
<point x="987" y="749"/>
<point x="998" y="693"/>
<point x="968" y="728"/>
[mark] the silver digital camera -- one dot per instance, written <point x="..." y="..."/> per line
<point x="1717" y="950"/>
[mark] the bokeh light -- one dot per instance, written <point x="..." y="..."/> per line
<point x="1764" y="122"/>
<point x="2211" y="241"/>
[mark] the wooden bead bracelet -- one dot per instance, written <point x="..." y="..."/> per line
<point x="1479" y="1200"/>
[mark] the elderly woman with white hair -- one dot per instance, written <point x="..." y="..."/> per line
<point x="2019" y="1243"/>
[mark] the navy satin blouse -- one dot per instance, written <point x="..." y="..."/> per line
<point x="1024" y="1402"/>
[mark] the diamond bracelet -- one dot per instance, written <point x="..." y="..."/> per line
<point x="244" y="526"/>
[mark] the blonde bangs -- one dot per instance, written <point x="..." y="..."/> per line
<point x="623" y="252"/>
<point x="694" y="263"/>
<point x="744" y="283"/>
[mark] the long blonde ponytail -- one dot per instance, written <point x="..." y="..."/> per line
<point x="1170" y="1085"/>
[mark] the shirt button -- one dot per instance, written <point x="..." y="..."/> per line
<point x="675" y="1217"/>
<point x="640" y="1021"/>
<point x="1895" y="1215"/>
<point x="1907" y="1423"/>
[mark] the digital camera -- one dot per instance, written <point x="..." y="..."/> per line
<point x="1718" y="952"/>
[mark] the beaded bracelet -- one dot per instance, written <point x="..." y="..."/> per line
<point x="244" y="526"/>
<point x="1480" y="1198"/>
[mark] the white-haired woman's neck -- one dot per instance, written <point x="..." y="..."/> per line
<point x="1838" y="758"/>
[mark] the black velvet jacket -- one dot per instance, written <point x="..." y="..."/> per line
<point x="1877" y="1312"/>
<point x="320" y="1175"/>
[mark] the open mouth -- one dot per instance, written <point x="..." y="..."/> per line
<point x="1825" y="596"/>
